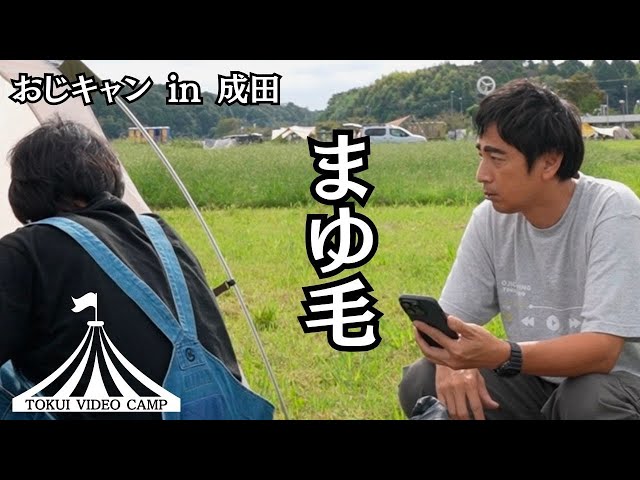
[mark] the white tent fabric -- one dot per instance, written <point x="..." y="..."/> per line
<point x="293" y="132"/>
<point x="614" y="132"/>
<point x="16" y="120"/>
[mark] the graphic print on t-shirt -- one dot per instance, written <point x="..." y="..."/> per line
<point x="520" y="314"/>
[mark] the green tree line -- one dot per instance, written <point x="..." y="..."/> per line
<point x="434" y="91"/>
<point x="439" y="92"/>
<point x="207" y="120"/>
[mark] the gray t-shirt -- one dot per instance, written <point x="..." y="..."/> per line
<point x="580" y="275"/>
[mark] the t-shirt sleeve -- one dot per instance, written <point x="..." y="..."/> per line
<point x="611" y="301"/>
<point x="470" y="292"/>
<point x="16" y="275"/>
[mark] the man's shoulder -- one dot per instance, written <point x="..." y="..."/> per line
<point x="612" y="194"/>
<point x="13" y="241"/>
<point x="604" y="184"/>
<point x="25" y="234"/>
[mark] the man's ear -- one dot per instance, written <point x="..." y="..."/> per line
<point x="551" y="162"/>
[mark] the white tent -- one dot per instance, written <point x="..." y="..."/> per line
<point x="18" y="119"/>
<point x="293" y="132"/>
<point x="614" y="132"/>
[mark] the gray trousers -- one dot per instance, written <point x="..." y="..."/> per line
<point x="596" y="396"/>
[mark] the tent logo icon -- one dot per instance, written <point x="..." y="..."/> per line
<point x="97" y="359"/>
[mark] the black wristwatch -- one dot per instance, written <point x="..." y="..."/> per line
<point x="511" y="367"/>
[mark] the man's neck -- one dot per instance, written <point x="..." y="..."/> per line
<point x="553" y="203"/>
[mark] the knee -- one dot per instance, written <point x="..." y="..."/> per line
<point x="579" y="398"/>
<point x="418" y="380"/>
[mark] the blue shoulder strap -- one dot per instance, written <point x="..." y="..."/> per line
<point x="174" y="273"/>
<point x="130" y="283"/>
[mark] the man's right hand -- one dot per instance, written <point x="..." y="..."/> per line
<point x="461" y="391"/>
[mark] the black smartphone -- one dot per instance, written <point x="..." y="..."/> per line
<point x="427" y="310"/>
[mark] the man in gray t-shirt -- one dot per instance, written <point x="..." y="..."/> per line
<point x="557" y="254"/>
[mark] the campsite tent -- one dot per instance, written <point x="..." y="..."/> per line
<point x="617" y="132"/>
<point x="18" y="119"/>
<point x="294" y="132"/>
<point x="588" y="130"/>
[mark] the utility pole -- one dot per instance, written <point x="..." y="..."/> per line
<point x="626" y="97"/>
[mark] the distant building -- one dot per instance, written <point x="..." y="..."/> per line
<point x="159" y="134"/>
<point x="432" y="130"/>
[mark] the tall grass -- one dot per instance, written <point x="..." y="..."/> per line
<point x="279" y="175"/>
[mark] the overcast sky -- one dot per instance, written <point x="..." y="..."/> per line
<point x="307" y="83"/>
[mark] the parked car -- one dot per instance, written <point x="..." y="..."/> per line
<point x="238" y="139"/>
<point x="386" y="133"/>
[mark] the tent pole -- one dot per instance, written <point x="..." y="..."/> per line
<point x="196" y="210"/>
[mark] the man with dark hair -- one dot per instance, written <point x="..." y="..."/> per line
<point x="556" y="253"/>
<point x="59" y="168"/>
<point x="63" y="169"/>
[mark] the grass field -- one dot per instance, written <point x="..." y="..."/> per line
<point x="256" y="199"/>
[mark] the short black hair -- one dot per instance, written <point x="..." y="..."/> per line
<point x="535" y="120"/>
<point x="57" y="163"/>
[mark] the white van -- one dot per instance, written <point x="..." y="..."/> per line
<point x="390" y="134"/>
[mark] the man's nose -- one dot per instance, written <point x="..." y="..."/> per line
<point x="483" y="174"/>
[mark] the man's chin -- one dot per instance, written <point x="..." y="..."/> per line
<point x="501" y="208"/>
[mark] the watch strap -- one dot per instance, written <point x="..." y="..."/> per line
<point x="513" y="366"/>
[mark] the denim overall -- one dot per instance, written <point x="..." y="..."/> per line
<point x="206" y="388"/>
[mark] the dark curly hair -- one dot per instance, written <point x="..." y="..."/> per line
<point x="57" y="164"/>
